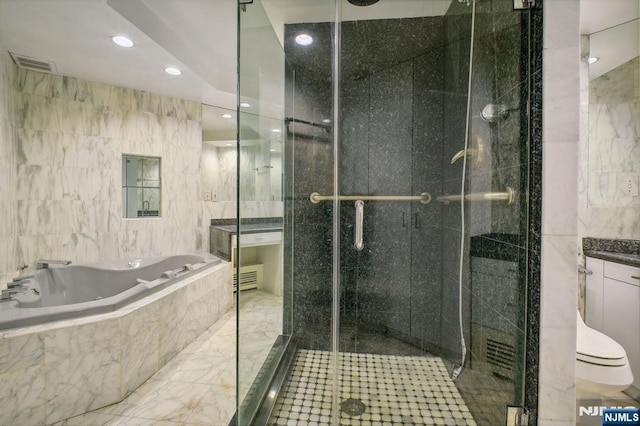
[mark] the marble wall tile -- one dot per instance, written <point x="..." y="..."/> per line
<point x="583" y="152"/>
<point x="72" y="135"/>
<point x="611" y="154"/>
<point x="21" y="352"/>
<point x="560" y="26"/>
<point x="559" y="186"/>
<point x="8" y="159"/>
<point x="89" y="354"/>
<point x="559" y="273"/>
<point x="561" y="93"/>
<point x="557" y="375"/>
<point x="611" y="222"/>
<point x="140" y="344"/>
<point x="561" y="135"/>
<point x="173" y="314"/>
<point x="22" y="395"/>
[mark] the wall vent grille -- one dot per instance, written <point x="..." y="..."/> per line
<point x="500" y="354"/>
<point x="34" y="64"/>
<point x="250" y="277"/>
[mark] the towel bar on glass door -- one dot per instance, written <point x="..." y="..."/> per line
<point x="424" y="198"/>
<point x="508" y="196"/>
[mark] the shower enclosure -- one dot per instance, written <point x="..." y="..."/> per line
<point x="402" y="130"/>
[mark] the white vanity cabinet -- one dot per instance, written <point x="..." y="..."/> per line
<point x="613" y="306"/>
<point x="261" y="261"/>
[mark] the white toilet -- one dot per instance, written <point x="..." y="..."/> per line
<point x="602" y="366"/>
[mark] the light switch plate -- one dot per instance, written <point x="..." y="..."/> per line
<point x="207" y="195"/>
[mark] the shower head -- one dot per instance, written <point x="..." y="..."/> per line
<point x="362" y="2"/>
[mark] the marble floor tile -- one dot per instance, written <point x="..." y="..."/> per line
<point x="97" y="419"/>
<point x="216" y="407"/>
<point x="203" y="369"/>
<point x="198" y="386"/>
<point x="160" y="400"/>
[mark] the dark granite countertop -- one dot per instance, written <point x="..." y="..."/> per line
<point x="624" y="258"/>
<point x="626" y="252"/>
<point x="221" y="232"/>
<point x="250" y="228"/>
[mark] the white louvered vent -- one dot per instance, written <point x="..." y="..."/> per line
<point x="34" y="64"/>
<point x="250" y="277"/>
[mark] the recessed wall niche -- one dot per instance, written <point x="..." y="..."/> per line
<point x="140" y="186"/>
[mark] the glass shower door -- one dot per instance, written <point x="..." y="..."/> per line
<point x="260" y="281"/>
<point x="402" y="307"/>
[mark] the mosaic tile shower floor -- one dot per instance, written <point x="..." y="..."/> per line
<point x="403" y="390"/>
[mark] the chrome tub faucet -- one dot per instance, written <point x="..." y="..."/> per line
<point x="45" y="263"/>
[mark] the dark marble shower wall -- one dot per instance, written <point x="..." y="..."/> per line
<point x="391" y="144"/>
<point x="403" y="111"/>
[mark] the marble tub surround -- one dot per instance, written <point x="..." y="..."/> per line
<point x="626" y="252"/>
<point x="56" y="371"/>
<point x="197" y="387"/>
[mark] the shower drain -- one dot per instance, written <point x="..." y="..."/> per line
<point x="352" y="407"/>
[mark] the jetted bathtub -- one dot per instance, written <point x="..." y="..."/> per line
<point x="65" y="292"/>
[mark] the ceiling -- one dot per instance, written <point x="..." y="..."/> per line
<point x="613" y="27"/>
<point x="199" y="37"/>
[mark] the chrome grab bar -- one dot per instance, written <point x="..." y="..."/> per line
<point x="424" y="198"/>
<point x="359" y="243"/>
<point x="508" y="196"/>
<point x="175" y="272"/>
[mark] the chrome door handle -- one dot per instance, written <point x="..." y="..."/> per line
<point x="359" y="243"/>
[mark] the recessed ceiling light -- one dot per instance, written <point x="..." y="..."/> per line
<point x="227" y="116"/>
<point x="172" y="71"/>
<point x="245" y="104"/>
<point x="122" y="41"/>
<point x="326" y="121"/>
<point x="304" y="39"/>
<point x="276" y="130"/>
<point x="229" y="144"/>
<point x="272" y="150"/>
<point x="593" y="60"/>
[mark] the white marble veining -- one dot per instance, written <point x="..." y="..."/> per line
<point x="611" y="154"/>
<point x="198" y="386"/>
<point x="260" y="325"/>
<point x="560" y="121"/>
<point x="560" y="188"/>
<point x="71" y="136"/>
<point x="561" y="136"/>
<point x="556" y="392"/>
<point x="8" y="161"/>
<point x="51" y="372"/>
<point x="559" y="273"/>
<point x="140" y="331"/>
<point x="23" y="397"/>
